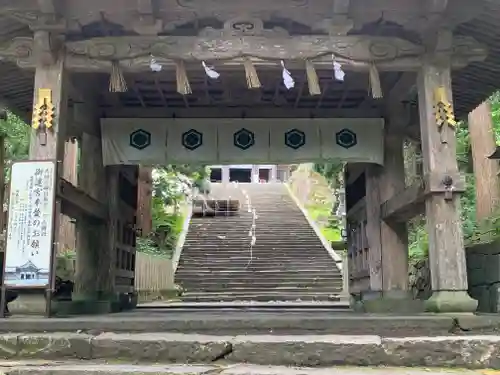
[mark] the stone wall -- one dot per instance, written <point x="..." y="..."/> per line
<point x="420" y="279"/>
<point x="483" y="271"/>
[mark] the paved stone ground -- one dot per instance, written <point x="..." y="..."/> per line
<point x="77" y="368"/>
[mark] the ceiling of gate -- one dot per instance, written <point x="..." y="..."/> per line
<point x="155" y="95"/>
<point x="150" y="93"/>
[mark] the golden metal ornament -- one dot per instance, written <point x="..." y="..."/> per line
<point x="443" y="109"/>
<point x="43" y="111"/>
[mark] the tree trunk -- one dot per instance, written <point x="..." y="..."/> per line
<point x="485" y="170"/>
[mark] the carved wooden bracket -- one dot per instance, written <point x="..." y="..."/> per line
<point x="243" y="26"/>
<point x="38" y="20"/>
<point x="46" y="46"/>
<point x="340" y="23"/>
<point x="147" y="22"/>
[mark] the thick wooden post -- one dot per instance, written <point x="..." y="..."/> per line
<point x="373" y="227"/>
<point x="394" y="236"/>
<point x="107" y="273"/>
<point x="446" y="244"/>
<point x="89" y="241"/>
<point x="145" y="194"/>
<point x="50" y="75"/>
<point x="486" y="170"/>
<point x="47" y="144"/>
<point x="387" y="241"/>
<point x="67" y="240"/>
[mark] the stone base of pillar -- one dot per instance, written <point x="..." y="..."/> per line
<point x="396" y="302"/>
<point x="451" y="302"/>
<point x="28" y="304"/>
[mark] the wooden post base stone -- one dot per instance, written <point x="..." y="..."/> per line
<point x="394" y="302"/>
<point x="457" y="301"/>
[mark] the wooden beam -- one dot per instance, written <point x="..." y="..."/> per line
<point x="410" y="202"/>
<point x="75" y="202"/>
<point x="228" y="112"/>
<point x="393" y="54"/>
<point x="401" y="89"/>
<point x="405" y="205"/>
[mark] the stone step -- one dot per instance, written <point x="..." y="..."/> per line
<point x="242" y="263"/>
<point x="216" y="285"/>
<point x="292" y="294"/>
<point x="284" y="272"/>
<point x="118" y="349"/>
<point x="275" y="255"/>
<point x="315" y="291"/>
<point x="277" y="249"/>
<point x="256" y="258"/>
<point x="258" y="297"/>
<point x="244" y="254"/>
<point x="98" y="368"/>
<point x="244" y="279"/>
<point x="192" y="285"/>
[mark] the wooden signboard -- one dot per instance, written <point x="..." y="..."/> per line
<point x="29" y="253"/>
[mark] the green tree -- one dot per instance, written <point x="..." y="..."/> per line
<point x="17" y="137"/>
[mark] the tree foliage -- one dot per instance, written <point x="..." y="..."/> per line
<point x="16" y="134"/>
<point x="172" y="184"/>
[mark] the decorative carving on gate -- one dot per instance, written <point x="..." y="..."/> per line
<point x="192" y="139"/>
<point x="243" y="26"/>
<point x="358" y="48"/>
<point x="295" y="138"/>
<point x="244" y="139"/>
<point x="346" y="138"/>
<point x="140" y="139"/>
<point x="134" y="53"/>
<point x="38" y="20"/>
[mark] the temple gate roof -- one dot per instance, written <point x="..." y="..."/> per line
<point x="79" y="20"/>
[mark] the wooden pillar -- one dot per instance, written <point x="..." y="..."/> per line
<point x="47" y="144"/>
<point x="373" y="227"/>
<point x="387" y="241"/>
<point x="486" y="170"/>
<point x="394" y="235"/>
<point x="108" y="266"/>
<point x="446" y="244"/>
<point x="67" y="240"/>
<point x="89" y="235"/>
<point x="145" y="195"/>
<point x="50" y="75"/>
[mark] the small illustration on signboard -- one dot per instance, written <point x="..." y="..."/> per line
<point x="30" y="224"/>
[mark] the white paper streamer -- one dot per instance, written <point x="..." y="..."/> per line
<point x="337" y="70"/>
<point x="155" y="67"/>
<point x="287" y="77"/>
<point x="211" y="73"/>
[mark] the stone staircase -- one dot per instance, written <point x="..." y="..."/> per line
<point x="287" y="263"/>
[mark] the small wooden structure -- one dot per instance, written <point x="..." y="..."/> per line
<point x="215" y="207"/>
<point x="415" y="63"/>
